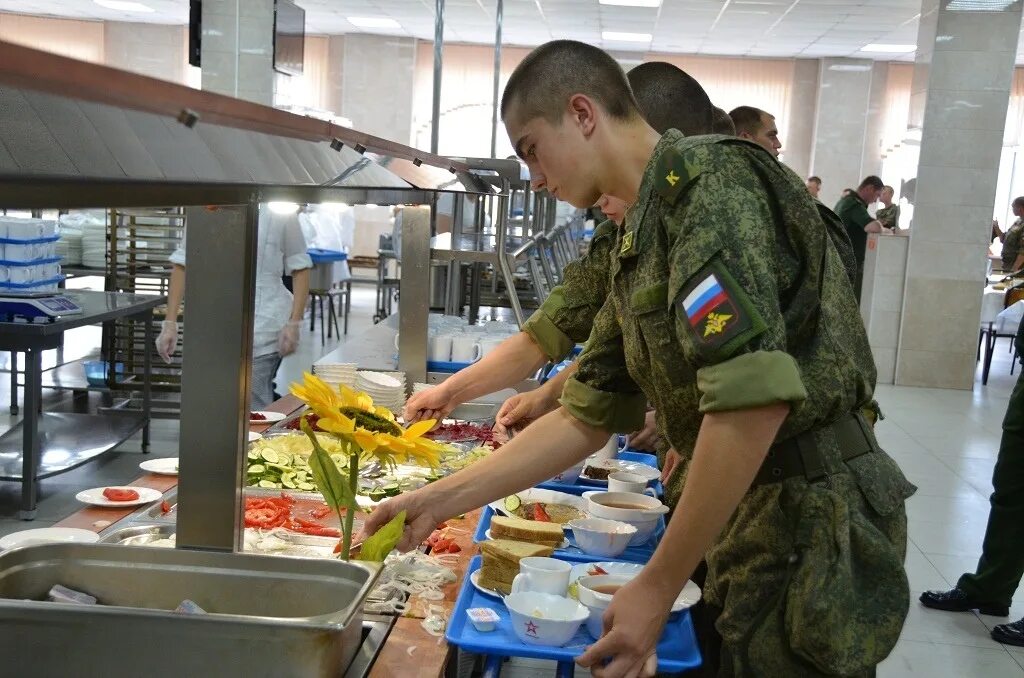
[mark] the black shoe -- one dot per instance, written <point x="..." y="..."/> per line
<point x="1011" y="634"/>
<point x="955" y="600"/>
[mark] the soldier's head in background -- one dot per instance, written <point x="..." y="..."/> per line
<point x="1018" y="207"/>
<point x="669" y="98"/>
<point x="721" y="122"/>
<point x="870" y="189"/>
<point x="887" y="193"/>
<point x="814" y="186"/>
<point x="757" y="126"/>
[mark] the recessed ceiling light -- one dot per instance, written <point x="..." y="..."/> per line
<point x="373" y="22"/>
<point x="124" y="5"/>
<point x="632" y="3"/>
<point x="616" y="36"/>
<point x="882" y="47"/>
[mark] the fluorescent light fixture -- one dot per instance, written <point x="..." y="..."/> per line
<point x="124" y="5"/>
<point x="373" y="22"/>
<point x="283" y="207"/>
<point x="632" y="3"/>
<point x="849" y="68"/>
<point x="888" y="48"/>
<point x="617" y="36"/>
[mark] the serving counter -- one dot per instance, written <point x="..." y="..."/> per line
<point x="408" y="649"/>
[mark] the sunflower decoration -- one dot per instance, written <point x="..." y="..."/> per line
<point x="367" y="433"/>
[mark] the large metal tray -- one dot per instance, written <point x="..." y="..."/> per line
<point x="269" y="616"/>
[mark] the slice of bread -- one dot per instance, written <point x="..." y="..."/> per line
<point x="501" y="561"/>
<point x="506" y="527"/>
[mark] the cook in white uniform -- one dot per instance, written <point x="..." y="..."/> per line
<point x="280" y="249"/>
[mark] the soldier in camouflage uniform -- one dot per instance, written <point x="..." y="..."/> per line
<point x="731" y="311"/>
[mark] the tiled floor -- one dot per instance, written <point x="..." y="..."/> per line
<point x="946" y="442"/>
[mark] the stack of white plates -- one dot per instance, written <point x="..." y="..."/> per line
<point x="94" y="245"/>
<point x="69" y="247"/>
<point x="419" y="387"/>
<point x="386" y="389"/>
<point x="336" y="373"/>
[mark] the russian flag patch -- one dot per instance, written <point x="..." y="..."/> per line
<point x="718" y="314"/>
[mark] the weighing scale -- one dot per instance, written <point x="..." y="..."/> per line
<point x="36" y="308"/>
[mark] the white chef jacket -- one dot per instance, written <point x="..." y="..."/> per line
<point x="280" y="248"/>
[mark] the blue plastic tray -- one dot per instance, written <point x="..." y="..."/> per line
<point x="677" y="650"/>
<point x="319" y="256"/>
<point x="632" y="554"/>
<point x="582" y="485"/>
<point x="441" y="366"/>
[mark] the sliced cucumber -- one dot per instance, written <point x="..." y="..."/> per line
<point x="257" y="469"/>
<point x="512" y="503"/>
<point x="279" y="467"/>
<point x="253" y="454"/>
<point x="270" y="456"/>
<point x="268" y="483"/>
<point x="288" y="482"/>
<point x="392" y="490"/>
<point x="376" y="494"/>
<point x="307" y="487"/>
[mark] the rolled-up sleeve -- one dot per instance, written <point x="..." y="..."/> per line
<point x="178" y="255"/>
<point x="750" y="380"/>
<point x="296" y="258"/>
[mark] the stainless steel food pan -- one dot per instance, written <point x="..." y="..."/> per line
<point x="138" y="535"/>
<point x="267" y="616"/>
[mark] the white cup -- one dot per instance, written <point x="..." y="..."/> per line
<point x="465" y="349"/>
<point x="542" y="575"/>
<point x="489" y="344"/>
<point x="440" y="348"/>
<point x="623" y="481"/>
<point x="609" y="451"/>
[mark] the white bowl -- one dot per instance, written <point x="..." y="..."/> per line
<point x="602" y="537"/>
<point x="595" y="601"/>
<point x="544" y="619"/>
<point x="645" y="519"/>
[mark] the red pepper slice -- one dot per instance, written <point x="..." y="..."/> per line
<point x="120" y="494"/>
<point x="539" y="514"/>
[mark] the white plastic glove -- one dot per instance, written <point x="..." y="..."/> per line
<point x="288" y="338"/>
<point x="167" y="342"/>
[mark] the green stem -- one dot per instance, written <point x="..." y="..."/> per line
<point x="350" y="515"/>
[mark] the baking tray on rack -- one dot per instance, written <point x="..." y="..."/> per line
<point x="677" y="650"/>
<point x="632" y="554"/>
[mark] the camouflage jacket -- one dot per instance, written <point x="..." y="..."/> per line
<point x="566" y="316"/>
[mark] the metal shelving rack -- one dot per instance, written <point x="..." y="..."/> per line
<point x="140" y="242"/>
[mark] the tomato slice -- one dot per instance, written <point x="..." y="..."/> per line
<point x="165" y="507"/>
<point x="120" y="494"/>
<point x="539" y="514"/>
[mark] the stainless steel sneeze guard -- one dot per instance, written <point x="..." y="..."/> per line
<point x="269" y="616"/>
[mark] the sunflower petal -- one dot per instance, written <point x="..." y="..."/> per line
<point x="418" y="429"/>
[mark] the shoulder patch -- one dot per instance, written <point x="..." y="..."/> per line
<point x="674" y="172"/>
<point x="718" y="313"/>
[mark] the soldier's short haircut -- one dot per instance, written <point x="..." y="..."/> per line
<point x="748" y="119"/>
<point x="722" y="123"/>
<point x="669" y="98"/>
<point x="1019" y="202"/>
<point x="542" y="83"/>
<point x="873" y="182"/>
<point x="816" y="180"/>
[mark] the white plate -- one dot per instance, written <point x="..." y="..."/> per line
<point x="475" y="580"/>
<point x="48" y="535"/>
<point x="378" y="380"/>
<point x="96" y="498"/>
<point x="271" y="417"/>
<point x="536" y="494"/>
<point x="647" y="472"/>
<point x="163" y="467"/>
<point x="687" y="598"/>
<point x="564" y="545"/>
<point x="253" y="436"/>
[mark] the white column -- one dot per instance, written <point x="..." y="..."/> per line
<point x="798" y="139"/>
<point x="840" y="125"/>
<point x="156" y="50"/>
<point x="238" y="49"/>
<point x="961" y="88"/>
<point x="378" y="85"/>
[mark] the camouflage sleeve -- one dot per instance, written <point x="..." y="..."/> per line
<point x="602" y="393"/>
<point x="725" y="299"/>
<point x="567" y="315"/>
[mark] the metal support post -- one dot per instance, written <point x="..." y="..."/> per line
<point x="414" y="290"/>
<point x="435" y="122"/>
<point x="499" y="16"/>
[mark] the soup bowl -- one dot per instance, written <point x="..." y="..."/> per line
<point x="639" y="510"/>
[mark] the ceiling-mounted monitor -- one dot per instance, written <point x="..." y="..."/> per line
<point x="289" y="37"/>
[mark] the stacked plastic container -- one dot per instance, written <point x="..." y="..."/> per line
<point x="28" y="256"/>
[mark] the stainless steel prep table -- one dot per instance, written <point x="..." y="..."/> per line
<point x="45" y="444"/>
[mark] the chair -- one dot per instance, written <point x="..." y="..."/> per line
<point x="1006" y="324"/>
<point x="316" y="298"/>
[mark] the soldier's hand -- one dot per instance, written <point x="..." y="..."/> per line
<point x="432" y="403"/>
<point x="647" y="438"/>
<point x="632" y="628"/>
<point x="671" y="460"/>
<point x="520" y="410"/>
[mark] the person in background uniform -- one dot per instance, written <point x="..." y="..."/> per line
<point x="722" y="123"/>
<point x="852" y="208"/>
<point x="889" y="214"/>
<point x="758" y="126"/>
<point x="728" y="329"/>
<point x="814" y="186"/>
<point x="990" y="588"/>
<point x="1013" y="247"/>
<point x="280" y="248"/>
<point x="668" y="98"/>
